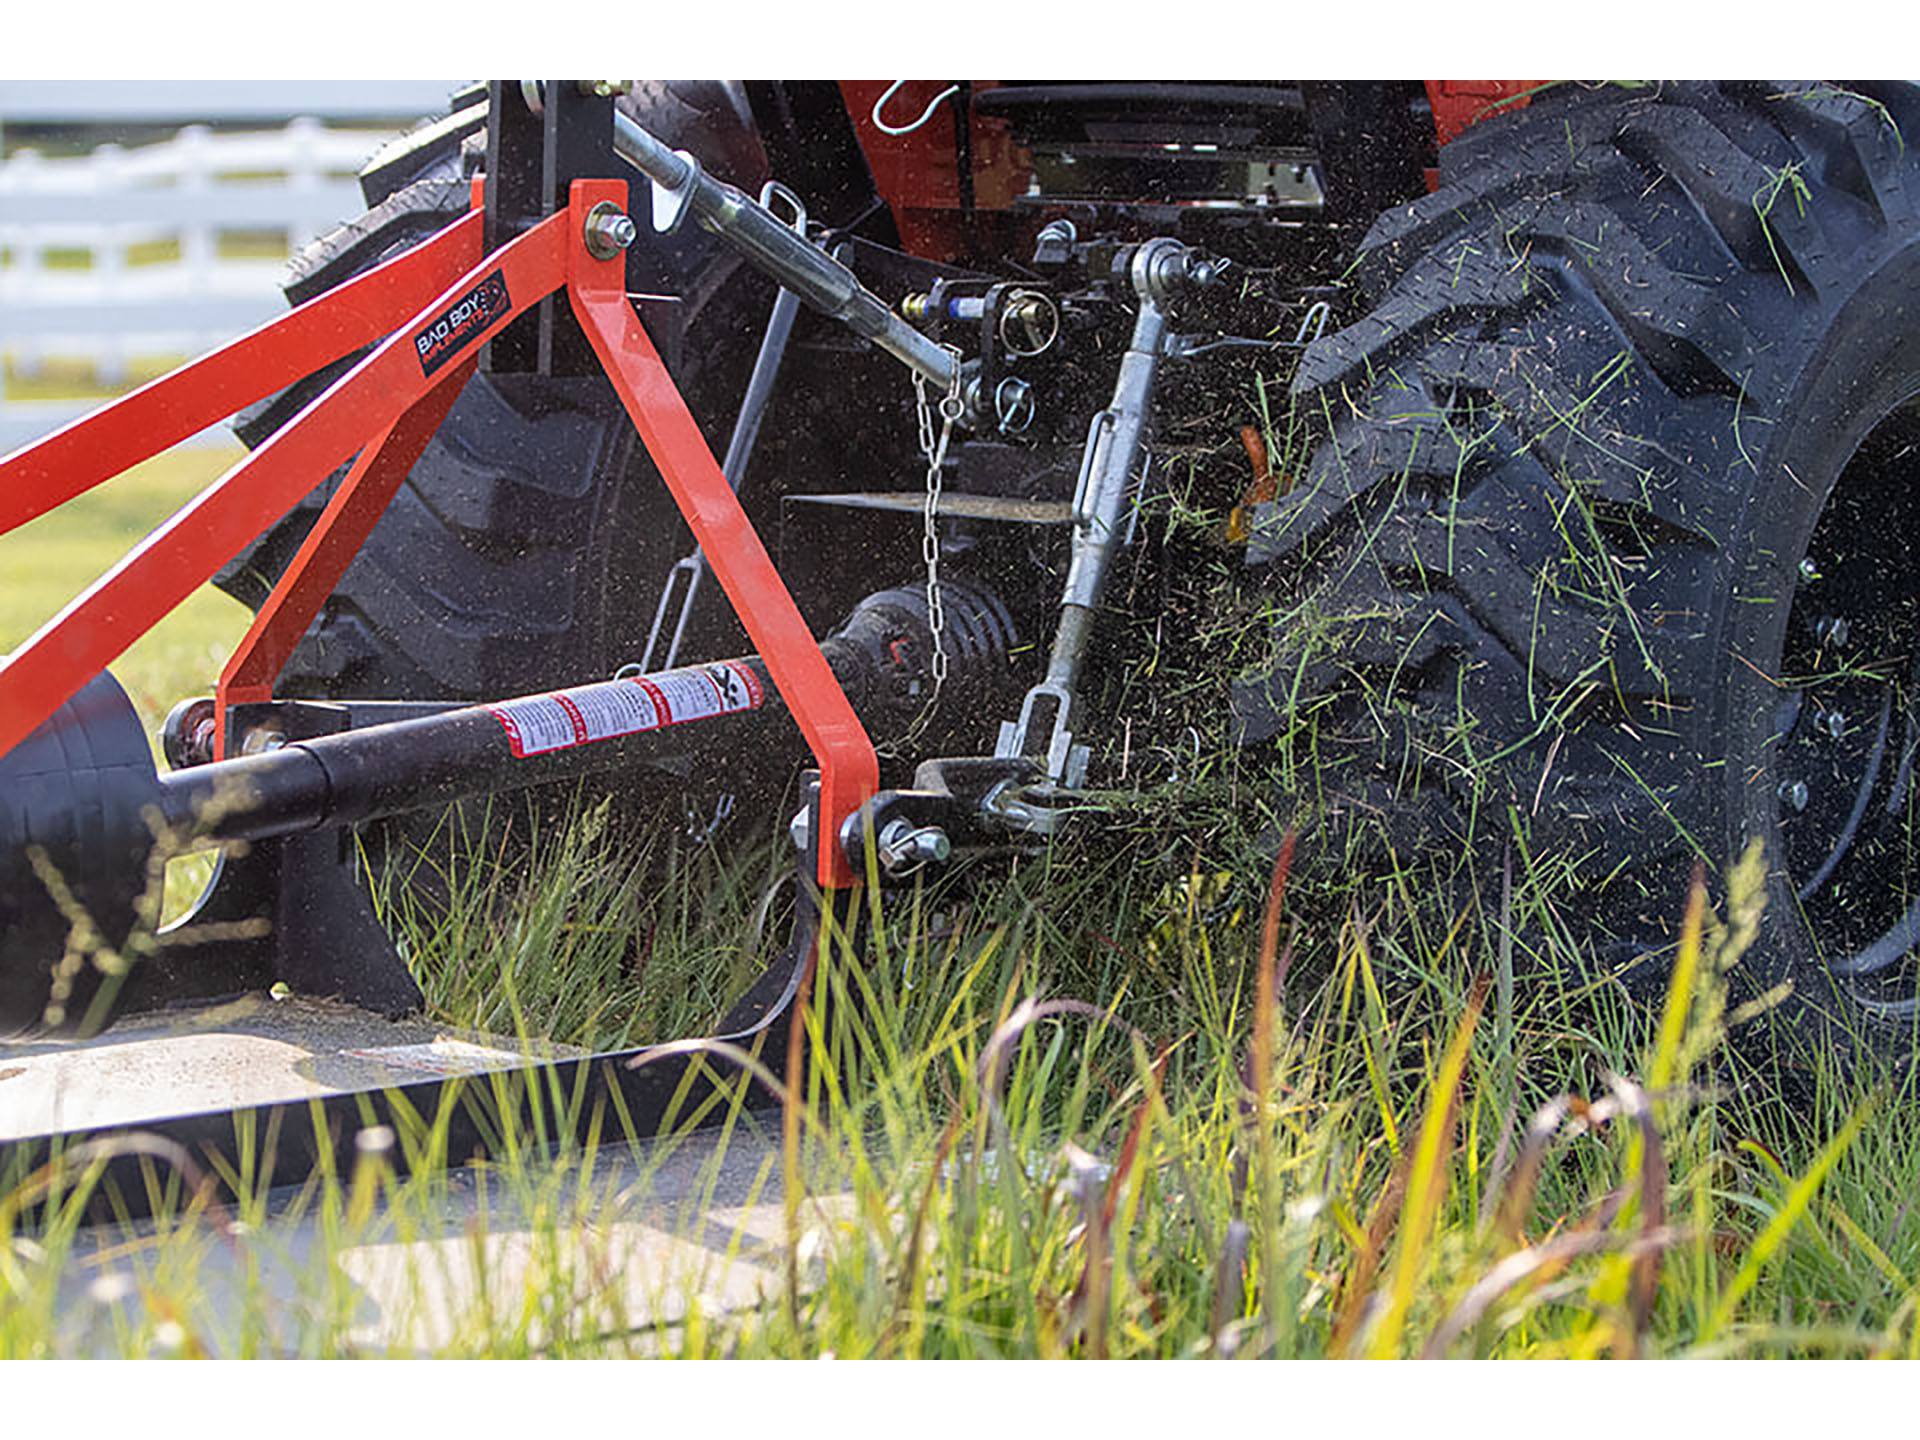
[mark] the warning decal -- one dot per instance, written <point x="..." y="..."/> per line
<point x="536" y="724"/>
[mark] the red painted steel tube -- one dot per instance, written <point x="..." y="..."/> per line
<point x="185" y="551"/>
<point x="849" y="769"/>
<point x="163" y="412"/>
<point x="329" y="548"/>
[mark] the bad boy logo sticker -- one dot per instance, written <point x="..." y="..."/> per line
<point x="447" y="333"/>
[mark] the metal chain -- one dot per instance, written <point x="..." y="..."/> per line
<point x="952" y="406"/>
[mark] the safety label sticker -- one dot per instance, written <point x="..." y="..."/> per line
<point x="537" y="724"/>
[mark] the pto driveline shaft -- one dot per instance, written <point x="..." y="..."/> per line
<point x="878" y="654"/>
<point x="432" y="760"/>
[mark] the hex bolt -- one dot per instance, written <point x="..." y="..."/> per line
<point x="1793" y="794"/>
<point x="609" y="231"/>
<point x="1832" y="631"/>
<point x="800" y="829"/>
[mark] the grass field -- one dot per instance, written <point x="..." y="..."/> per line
<point x="1362" y="1140"/>
<point x="1357" y="1119"/>
<point x="49" y="561"/>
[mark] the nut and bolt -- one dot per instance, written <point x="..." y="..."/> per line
<point x="800" y="829"/>
<point x="609" y="231"/>
<point x="605" y="89"/>
<point x="1830" y="723"/>
<point x="201" y="739"/>
<point x="262" y="741"/>
<point x="1793" y="794"/>
<point x="189" y="733"/>
<point x="904" y="847"/>
<point x="1832" y="631"/>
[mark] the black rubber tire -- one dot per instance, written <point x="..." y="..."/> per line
<point x="526" y="547"/>
<point x="1571" y="460"/>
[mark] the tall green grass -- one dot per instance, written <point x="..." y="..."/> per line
<point x="1142" y="1116"/>
<point x="1127" y="1097"/>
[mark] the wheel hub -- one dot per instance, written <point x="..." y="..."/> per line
<point x="1847" y="726"/>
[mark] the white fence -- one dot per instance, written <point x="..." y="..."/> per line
<point x="126" y="254"/>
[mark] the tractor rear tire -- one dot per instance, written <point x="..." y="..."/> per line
<point x="1627" y="430"/>
<point x="526" y="547"/>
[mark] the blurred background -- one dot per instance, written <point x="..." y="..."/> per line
<point x="142" y="223"/>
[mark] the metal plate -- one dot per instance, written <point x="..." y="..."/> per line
<point x="247" y="1052"/>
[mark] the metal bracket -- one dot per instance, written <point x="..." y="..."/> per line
<point x="670" y="201"/>
<point x="957" y="805"/>
<point x="1066" y="762"/>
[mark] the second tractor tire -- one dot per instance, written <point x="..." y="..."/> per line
<point x="1619" y="440"/>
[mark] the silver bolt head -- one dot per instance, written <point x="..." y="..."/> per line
<point x="609" y="231"/>
<point x="1831" y="723"/>
<point x="604" y="89"/>
<point x="904" y="846"/>
<point x="800" y="829"/>
<point x="1793" y="794"/>
<point x="262" y="741"/>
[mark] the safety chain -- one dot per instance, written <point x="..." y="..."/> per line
<point x="952" y="406"/>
